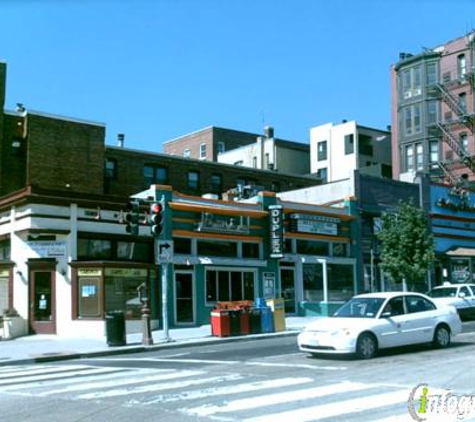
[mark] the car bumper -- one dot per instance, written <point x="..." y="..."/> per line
<point x="313" y="342"/>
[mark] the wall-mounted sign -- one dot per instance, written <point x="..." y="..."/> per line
<point x="220" y="224"/>
<point x="126" y="272"/>
<point x="461" y="271"/>
<point x="276" y="231"/>
<point x="48" y="249"/>
<point x="89" y="272"/>
<point x="315" y="224"/>
<point x="269" y="285"/>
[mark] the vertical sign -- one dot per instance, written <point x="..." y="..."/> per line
<point x="276" y="226"/>
<point x="269" y="285"/>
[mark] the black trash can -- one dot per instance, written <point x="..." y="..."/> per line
<point x="115" y="328"/>
<point x="235" y="322"/>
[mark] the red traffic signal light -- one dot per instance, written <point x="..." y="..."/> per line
<point x="156" y="218"/>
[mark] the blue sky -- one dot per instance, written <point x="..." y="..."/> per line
<point x="158" y="69"/>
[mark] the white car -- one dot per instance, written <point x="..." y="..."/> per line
<point x="462" y="296"/>
<point x="373" y="321"/>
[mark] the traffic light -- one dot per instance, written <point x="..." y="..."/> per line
<point x="157" y="210"/>
<point x="132" y="218"/>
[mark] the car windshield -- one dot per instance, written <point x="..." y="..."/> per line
<point x="360" y="307"/>
<point x="443" y="292"/>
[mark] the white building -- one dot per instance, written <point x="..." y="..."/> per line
<point x="337" y="150"/>
<point x="269" y="153"/>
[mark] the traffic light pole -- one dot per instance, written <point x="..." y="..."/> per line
<point x="165" y="301"/>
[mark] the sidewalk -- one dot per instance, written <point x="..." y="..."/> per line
<point x="47" y="348"/>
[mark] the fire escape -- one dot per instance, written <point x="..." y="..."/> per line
<point x="455" y="120"/>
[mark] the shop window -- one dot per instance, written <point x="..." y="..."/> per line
<point x="104" y="249"/>
<point x="121" y="294"/>
<point x="310" y="247"/>
<point x="182" y="245"/>
<point x="340" y="249"/>
<point x="313" y="282"/>
<point x="250" y="250"/>
<point x="88" y="298"/>
<point x="94" y="249"/>
<point x="214" y="248"/>
<point x="222" y="286"/>
<point x="340" y="282"/>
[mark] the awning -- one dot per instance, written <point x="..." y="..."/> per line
<point x="461" y="252"/>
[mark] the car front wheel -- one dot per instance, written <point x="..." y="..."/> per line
<point x="441" y="336"/>
<point x="366" y="346"/>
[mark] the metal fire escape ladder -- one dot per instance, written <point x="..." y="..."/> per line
<point x="455" y="145"/>
<point x="454" y="105"/>
<point x="454" y="181"/>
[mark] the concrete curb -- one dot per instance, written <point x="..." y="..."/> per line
<point x="138" y="348"/>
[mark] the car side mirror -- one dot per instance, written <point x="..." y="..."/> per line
<point x="462" y="295"/>
<point x="386" y="315"/>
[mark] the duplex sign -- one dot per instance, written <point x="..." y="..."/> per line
<point x="276" y="231"/>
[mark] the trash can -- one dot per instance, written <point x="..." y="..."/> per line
<point x="115" y="328"/>
<point x="255" y="321"/>
<point x="244" y="319"/>
<point x="235" y="322"/>
<point x="220" y="324"/>
<point x="267" y="320"/>
<point x="278" y="309"/>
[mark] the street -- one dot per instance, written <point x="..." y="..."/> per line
<point x="259" y="380"/>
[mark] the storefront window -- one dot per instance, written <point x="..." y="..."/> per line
<point x="222" y="286"/>
<point x="309" y="247"/>
<point x="313" y="282"/>
<point x="94" y="249"/>
<point x="340" y="282"/>
<point x="121" y="294"/>
<point x="182" y="245"/>
<point x="214" y="248"/>
<point x="88" y="298"/>
<point x="250" y="250"/>
<point x="340" y="249"/>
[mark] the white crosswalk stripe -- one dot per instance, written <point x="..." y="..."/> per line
<point x="223" y="397"/>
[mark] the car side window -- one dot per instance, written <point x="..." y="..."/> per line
<point x="395" y="306"/>
<point x="472" y="288"/>
<point x="464" y="289"/>
<point x="418" y="304"/>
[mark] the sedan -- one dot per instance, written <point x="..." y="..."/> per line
<point x="373" y="321"/>
<point x="462" y="296"/>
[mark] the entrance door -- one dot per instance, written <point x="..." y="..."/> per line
<point x="184" y="298"/>
<point x="42" y="302"/>
<point x="287" y="280"/>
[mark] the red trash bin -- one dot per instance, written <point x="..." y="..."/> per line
<point x="220" y="323"/>
<point x="245" y="325"/>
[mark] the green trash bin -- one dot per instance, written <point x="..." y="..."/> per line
<point x="115" y="328"/>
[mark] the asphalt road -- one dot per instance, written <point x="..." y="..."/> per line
<point x="260" y="380"/>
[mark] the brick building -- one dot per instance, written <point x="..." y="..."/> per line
<point x="62" y="235"/>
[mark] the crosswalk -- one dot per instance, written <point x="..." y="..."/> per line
<point x="198" y="393"/>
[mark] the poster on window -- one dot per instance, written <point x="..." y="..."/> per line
<point x="461" y="271"/>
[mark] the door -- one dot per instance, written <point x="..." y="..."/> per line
<point x="287" y="281"/>
<point x="42" y="302"/>
<point x="184" y="298"/>
<point x="390" y="324"/>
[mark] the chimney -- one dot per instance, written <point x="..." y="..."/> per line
<point x="120" y="140"/>
<point x="269" y="132"/>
